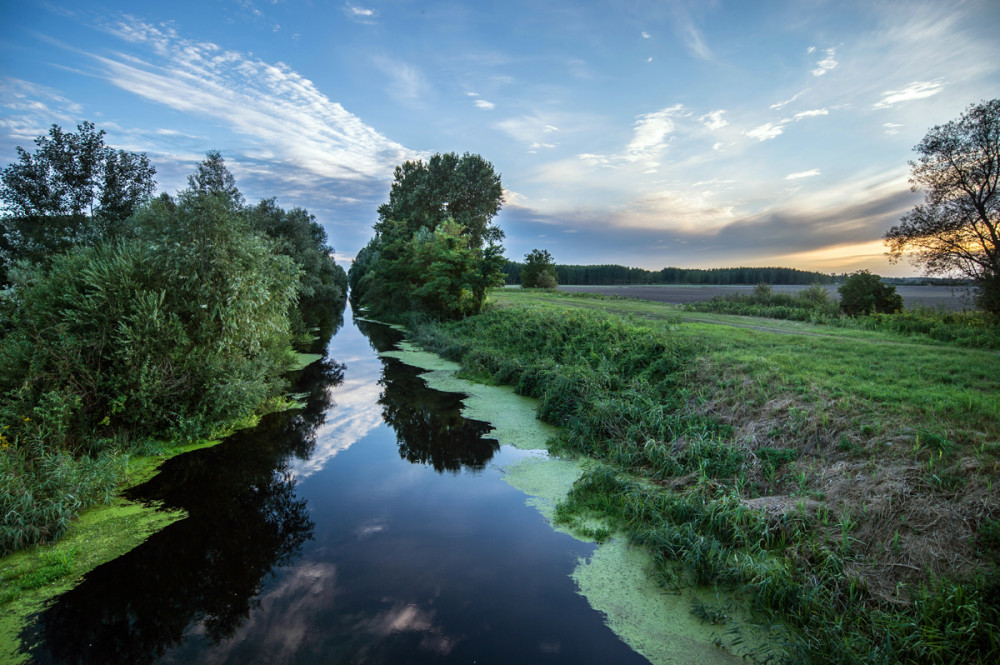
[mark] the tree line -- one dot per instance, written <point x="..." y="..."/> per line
<point x="613" y="275"/>
<point x="127" y="319"/>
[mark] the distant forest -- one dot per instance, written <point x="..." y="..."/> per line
<point x="612" y="275"/>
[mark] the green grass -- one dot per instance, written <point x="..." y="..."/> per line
<point x="834" y="480"/>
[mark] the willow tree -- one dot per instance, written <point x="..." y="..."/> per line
<point x="956" y="230"/>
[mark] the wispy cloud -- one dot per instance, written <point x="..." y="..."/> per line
<point x="650" y="137"/>
<point x="777" y="106"/>
<point x="689" y="33"/>
<point x="31" y="108"/>
<point x="891" y="128"/>
<point x="407" y="84"/>
<point x="908" y="93"/>
<point x="269" y="102"/>
<point x="536" y="130"/>
<point x="714" y="120"/>
<point x="645" y="35"/>
<point x="802" y="174"/>
<point x="771" y="130"/>
<point x="360" y="14"/>
<point x="483" y="104"/>
<point x="768" y="131"/>
<point x="651" y="131"/>
<point x="828" y="62"/>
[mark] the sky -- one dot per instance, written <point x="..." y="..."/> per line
<point x="639" y="132"/>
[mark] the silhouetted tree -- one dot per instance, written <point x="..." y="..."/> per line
<point x="957" y="228"/>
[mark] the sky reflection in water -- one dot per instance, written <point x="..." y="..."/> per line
<point x="330" y="536"/>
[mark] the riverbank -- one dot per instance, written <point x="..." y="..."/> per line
<point x="30" y="578"/>
<point x="837" y="482"/>
<point x="614" y="579"/>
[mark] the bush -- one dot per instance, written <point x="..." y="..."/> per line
<point x="171" y="334"/>
<point x="864" y="293"/>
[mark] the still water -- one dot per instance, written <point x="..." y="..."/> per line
<point x="373" y="526"/>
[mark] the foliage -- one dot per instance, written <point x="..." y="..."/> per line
<point x="464" y="188"/>
<point x="865" y="293"/>
<point x="539" y="271"/>
<point x="323" y="285"/>
<point x="173" y="327"/>
<point x="212" y="176"/>
<point x="73" y="190"/>
<point x="435" y="251"/>
<point x="957" y="228"/>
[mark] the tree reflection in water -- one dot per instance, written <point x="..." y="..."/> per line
<point x="429" y="425"/>
<point x="202" y="573"/>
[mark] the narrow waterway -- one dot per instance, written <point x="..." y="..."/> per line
<point x="373" y="526"/>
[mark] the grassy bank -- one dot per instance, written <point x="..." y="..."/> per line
<point x="838" y="482"/>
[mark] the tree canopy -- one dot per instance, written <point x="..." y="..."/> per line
<point x="212" y="176"/>
<point x="465" y="189"/>
<point x="172" y="322"/>
<point x="435" y="250"/>
<point x="72" y="190"/>
<point x="539" y="271"/>
<point x="957" y="227"/>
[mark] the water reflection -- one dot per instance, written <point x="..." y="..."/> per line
<point x="206" y="570"/>
<point x="429" y="425"/>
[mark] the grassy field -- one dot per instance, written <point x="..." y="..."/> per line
<point x="950" y="298"/>
<point x="839" y="482"/>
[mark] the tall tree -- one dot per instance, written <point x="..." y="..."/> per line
<point x="957" y="228"/>
<point x="435" y="249"/>
<point x="465" y="189"/>
<point x="72" y="190"/>
<point x="212" y="176"/>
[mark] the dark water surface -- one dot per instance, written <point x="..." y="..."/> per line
<point x="374" y="526"/>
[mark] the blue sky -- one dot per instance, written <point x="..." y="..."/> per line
<point x="692" y="134"/>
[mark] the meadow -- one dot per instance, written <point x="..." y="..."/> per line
<point x="834" y="482"/>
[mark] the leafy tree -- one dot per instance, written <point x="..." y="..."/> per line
<point x="957" y="228"/>
<point x="212" y="176"/>
<point x="435" y="249"/>
<point x="72" y="190"/>
<point x="865" y="293"/>
<point x="323" y="286"/>
<point x="465" y="189"/>
<point x="539" y="271"/>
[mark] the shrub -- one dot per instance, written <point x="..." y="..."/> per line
<point x="864" y="293"/>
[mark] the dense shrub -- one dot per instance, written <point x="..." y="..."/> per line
<point x="174" y="332"/>
<point x="865" y="293"/>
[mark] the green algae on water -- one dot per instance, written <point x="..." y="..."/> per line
<point x="511" y="415"/>
<point x="658" y="625"/>
<point x="31" y="578"/>
<point x="616" y="579"/>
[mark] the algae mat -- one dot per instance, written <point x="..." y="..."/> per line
<point x="31" y="578"/>
<point x="615" y="580"/>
